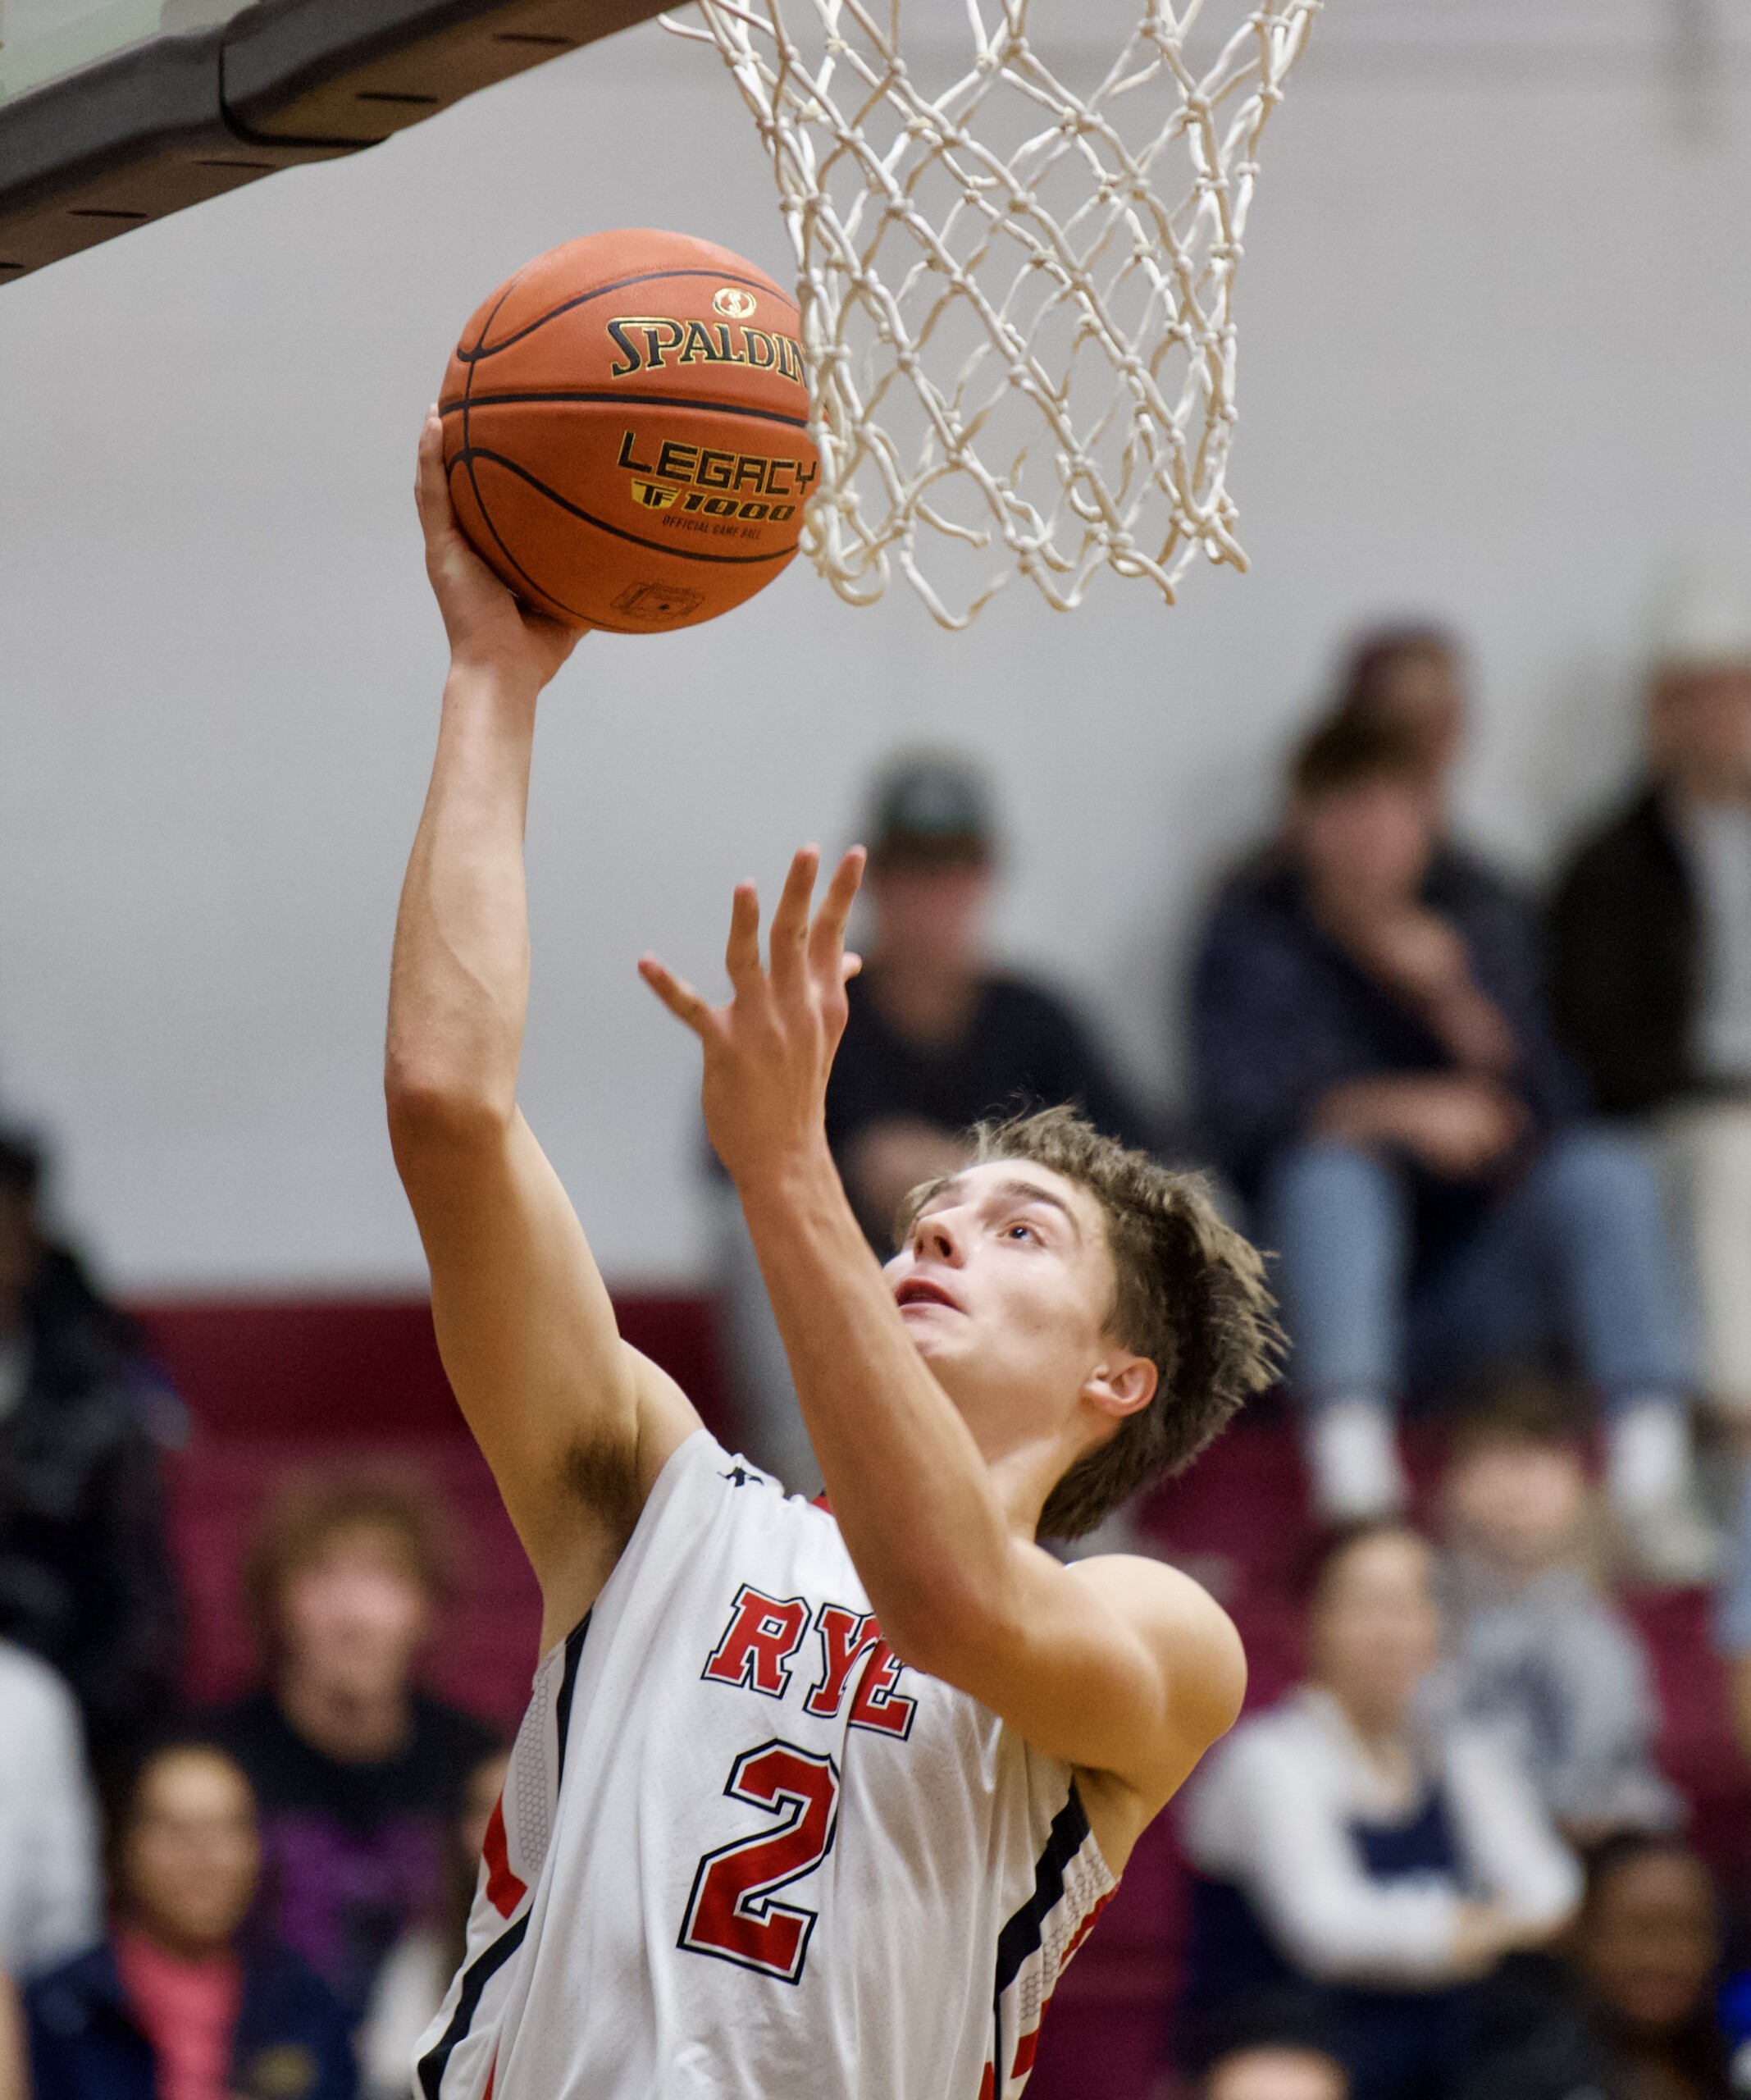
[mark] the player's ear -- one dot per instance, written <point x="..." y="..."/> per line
<point x="1122" y="1383"/>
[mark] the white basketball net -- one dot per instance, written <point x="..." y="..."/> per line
<point x="1016" y="298"/>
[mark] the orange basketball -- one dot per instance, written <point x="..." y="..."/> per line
<point x="625" y="427"/>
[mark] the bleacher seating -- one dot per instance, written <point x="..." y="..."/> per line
<point x="276" y="1388"/>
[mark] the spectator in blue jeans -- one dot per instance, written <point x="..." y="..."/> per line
<point x="1377" y="1076"/>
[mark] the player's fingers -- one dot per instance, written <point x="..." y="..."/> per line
<point x="850" y="965"/>
<point x="789" y="922"/>
<point x="741" y="954"/>
<point x="676" y="993"/>
<point x="432" y="488"/>
<point x="827" y="937"/>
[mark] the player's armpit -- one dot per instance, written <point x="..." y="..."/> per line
<point x="575" y="1425"/>
<point x="1117" y="1664"/>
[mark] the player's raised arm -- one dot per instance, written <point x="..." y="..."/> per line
<point x="950" y="1399"/>
<point x="575" y="1425"/>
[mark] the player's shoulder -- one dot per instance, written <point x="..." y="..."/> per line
<point x="1196" y="1641"/>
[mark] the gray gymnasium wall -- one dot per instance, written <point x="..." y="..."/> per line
<point x="1496" y="330"/>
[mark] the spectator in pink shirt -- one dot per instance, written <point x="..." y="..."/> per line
<point x="182" y="2001"/>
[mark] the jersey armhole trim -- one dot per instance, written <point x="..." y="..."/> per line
<point x="476" y="1977"/>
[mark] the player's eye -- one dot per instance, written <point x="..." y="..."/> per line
<point x="1022" y="1229"/>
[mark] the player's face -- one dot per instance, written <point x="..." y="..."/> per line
<point x="1005" y="1283"/>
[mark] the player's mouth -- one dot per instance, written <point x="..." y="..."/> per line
<point x="920" y="1291"/>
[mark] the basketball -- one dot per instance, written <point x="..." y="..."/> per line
<point x="626" y="432"/>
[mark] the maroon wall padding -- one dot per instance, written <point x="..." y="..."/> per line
<point x="368" y="1366"/>
<point x="287" y="1390"/>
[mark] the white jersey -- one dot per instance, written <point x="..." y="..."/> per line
<point x="745" y="1853"/>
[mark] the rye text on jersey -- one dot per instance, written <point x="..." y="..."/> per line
<point x="743" y="1849"/>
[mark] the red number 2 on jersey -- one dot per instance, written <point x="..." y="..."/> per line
<point x="731" y="1912"/>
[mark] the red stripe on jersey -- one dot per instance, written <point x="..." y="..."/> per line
<point x="1084" y="1929"/>
<point x="1028" y="2048"/>
<point x="988" y="2083"/>
<point x="504" y="1891"/>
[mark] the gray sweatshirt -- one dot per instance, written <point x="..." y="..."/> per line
<point x="1563" y="1679"/>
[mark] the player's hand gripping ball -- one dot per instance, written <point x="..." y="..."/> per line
<point x="626" y="432"/>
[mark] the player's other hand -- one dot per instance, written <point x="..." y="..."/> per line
<point x="488" y="629"/>
<point x="769" y="1052"/>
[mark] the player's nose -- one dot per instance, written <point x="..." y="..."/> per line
<point x="936" y="1237"/>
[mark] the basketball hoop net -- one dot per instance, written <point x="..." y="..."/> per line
<point x="1016" y="298"/>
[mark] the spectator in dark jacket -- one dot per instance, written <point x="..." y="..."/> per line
<point x="937" y="1038"/>
<point x="1629" y="2015"/>
<point x="1650" y="977"/>
<point x="181" y="2001"/>
<point x="1376" y="1073"/>
<point x="86" y="1578"/>
<point x="360" y="1775"/>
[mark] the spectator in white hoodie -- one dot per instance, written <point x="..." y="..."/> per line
<point x="49" y="1900"/>
<point x="1357" y="1860"/>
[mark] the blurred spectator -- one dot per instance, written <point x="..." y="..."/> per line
<point x="1264" y="2052"/>
<point x="1276" y="2070"/>
<point x="1376" y="1074"/>
<point x="1536" y="1653"/>
<point x="85" y="1572"/>
<point x="1650" y="973"/>
<point x="1357" y="1860"/>
<point x="49" y="1836"/>
<point x="14" y="2079"/>
<point x="182" y="2002"/>
<point x="359" y="1774"/>
<point x="939" y="1038"/>
<point x="1629" y="2015"/>
<point x="1409" y="676"/>
<point x="1733" y="1619"/>
<point x="411" y="1984"/>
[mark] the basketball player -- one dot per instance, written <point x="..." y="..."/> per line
<point x="806" y="1805"/>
